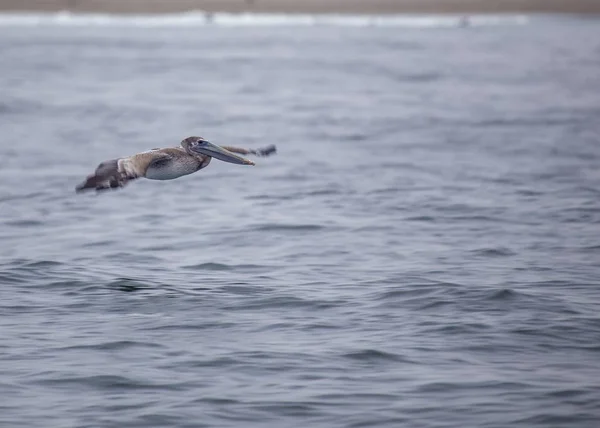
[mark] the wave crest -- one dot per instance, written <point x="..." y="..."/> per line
<point x="200" y="18"/>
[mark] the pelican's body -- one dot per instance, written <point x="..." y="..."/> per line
<point x="194" y="154"/>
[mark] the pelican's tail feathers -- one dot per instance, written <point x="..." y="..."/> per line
<point x="106" y="176"/>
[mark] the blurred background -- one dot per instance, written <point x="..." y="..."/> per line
<point x="422" y="251"/>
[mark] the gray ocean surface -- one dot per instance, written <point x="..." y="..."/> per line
<point x="423" y="251"/>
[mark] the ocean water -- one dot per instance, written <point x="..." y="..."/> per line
<point x="423" y="251"/>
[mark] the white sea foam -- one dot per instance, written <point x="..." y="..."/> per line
<point x="200" y="18"/>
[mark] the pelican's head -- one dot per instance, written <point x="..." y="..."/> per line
<point x="198" y="145"/>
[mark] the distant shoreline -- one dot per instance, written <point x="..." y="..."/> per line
<point x="305" y="6"/>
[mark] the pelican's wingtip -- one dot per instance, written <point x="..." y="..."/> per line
<point x="267" y="151"/>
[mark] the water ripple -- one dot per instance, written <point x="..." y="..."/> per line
<point x="422" y="250"/>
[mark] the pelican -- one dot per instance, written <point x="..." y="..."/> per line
<point x="193" y="154"/>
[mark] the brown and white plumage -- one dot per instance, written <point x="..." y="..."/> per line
<point x="192" y="155"/>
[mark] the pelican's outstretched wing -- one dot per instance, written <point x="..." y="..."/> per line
<point x="264" y="151"/>
<point x="117" y="173"/>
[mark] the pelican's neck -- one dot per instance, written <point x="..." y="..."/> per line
<point x="203" y="160"/>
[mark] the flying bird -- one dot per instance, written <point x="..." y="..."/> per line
<point x="192" y="155"/>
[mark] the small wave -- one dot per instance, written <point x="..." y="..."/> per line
<point x="553" y="418"/>
<point x="504" y="294"/>
<point x="282" y="302"/>
<point x="129" y="285"/>
<point x="24" y="223"/>
<point x="16" y="197"/>
<point x="200" y="18"/>
<point x="221" y="267"/>
<point x="41" y="264"/>
<point x="216" y="401"/>
<point x="494" y="252"/>
<point x="454" y="386"/>
<point x="192" y="326"/>
<point x="424" y="218"/>
<point x="67" y="283"/>
<point x="273" y="227"/>
<point x="374" y="355"/>
<point x="108" y="382"/>
<point x="566" y="393"/>
<point x="321" y="326"/>
<point x="112" y="346"/>
<point x="456" y="328"/>
<point x="409" y="291"/>
<point x="11" y="278"/>
<point x="244" y="289"/>
<point x="99" y="243"/>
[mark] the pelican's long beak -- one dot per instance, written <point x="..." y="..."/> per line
<point x="220" y="153"/>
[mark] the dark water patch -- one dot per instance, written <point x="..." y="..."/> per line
<point x="450" y="387"/>
<point x="529" y="192"/>
<point x="560" y="284"/>
<point x="375" y="356"/>
<point x="408" y="291"/>
<point x="356" y="397"/>
<point x="568" y="393"/>
<point x="166" y="419"/>
<point x="417" y="77"/>
<point x="129" y="285"/>
<point x="7" y="278"/>
<point x="276" y="326"/>
<point x="33" y="272"/>
<point x="197" y="325"/>
<point x="323" y="192"/>
<point x="461" y="328"/>
<point x="158" y="248"/>
<point x="244" y="289"/>
<point x="557" y="418"/>
<point x="321" y="326"/>
<point x="17" y="197"/>
<point x="291" y="409"/>
<point x="436" y="304"/>
<point x="506" y="294"/>
<point x="420" y="296"/>
<point x="541" y="332"/>
<point x="20" y="309"/>
<point x="274" y="227"/>
<point x="493" y="252"/>
<point x="217" y="401"/>
<point x="99" y="244"/>
<point x="261" y="356"/>
<point x="126" y="407"/>
<point x="356" y="136"/>
<point x="421" y="218"/>
<point x="70" y="285"/>
<point x="210" y="266"/>
<point x="138" y="257"/>
<point x="383" y="421"/>
<point x="108" y="382"/>
<point x="272" y="198"/>
<point x="212" y="362"/>
<point x="20" y="106"/>
<point x="40" y="264"/>
<point x="373" y="228"/>
<point x="24" y="223"/>
<point x="285" y="302"/>
<point x="525" y="122"/>
<point x="119" y="345"/>
<point x="475" y="218"/>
